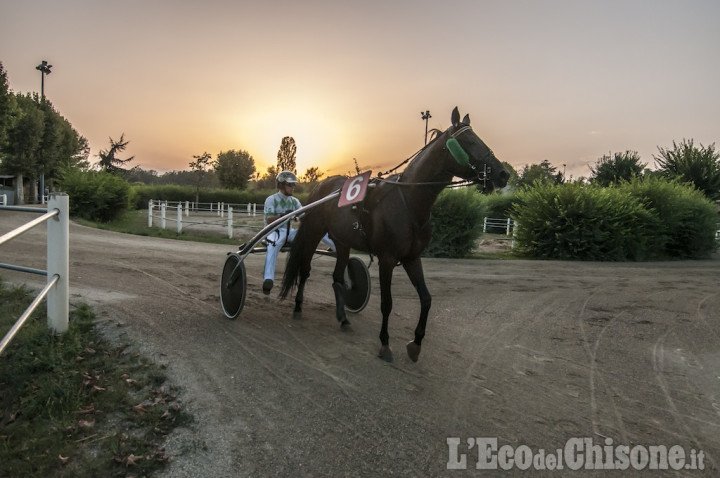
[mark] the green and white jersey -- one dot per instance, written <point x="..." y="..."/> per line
<point x="278" y="204"/>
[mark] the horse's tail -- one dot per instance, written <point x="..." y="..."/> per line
<point x="291" y="276"/>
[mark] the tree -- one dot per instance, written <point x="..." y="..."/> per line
<point x="7" y="109"/>
<point x="234" y="168"/>
<point x="699" y="166"/>
<point x="615" y="168"/>
<point x="286" y="155"/>
<point x="543" y="172"/>
<point x="108" y="162"/>
<point x="312" y="175"/>
<point x="24" y="139"/>
<point x="268" y="180"/>
<point x="199" y="167"/>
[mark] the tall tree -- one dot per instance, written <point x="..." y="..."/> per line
<point x="199" y="167"/>
<point x="286" y="155"/>
<point x="24" y="139"/>
<point x="615" y="168"/>
<point x="234" y="168"/>
<point x="7" y="109"/>
<point x="108" y="157"/>
<point x="689" y="163"/>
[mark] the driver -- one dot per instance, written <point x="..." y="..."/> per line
<point x="276" y="206"/>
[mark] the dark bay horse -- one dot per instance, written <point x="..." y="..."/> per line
<point x="393" y="222"/>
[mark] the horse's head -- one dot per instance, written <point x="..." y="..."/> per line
<point x="471" y="158"/>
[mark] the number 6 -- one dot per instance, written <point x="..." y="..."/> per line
<point x="354" y="188"/>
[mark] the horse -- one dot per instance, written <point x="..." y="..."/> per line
<point x="392" y="223"/>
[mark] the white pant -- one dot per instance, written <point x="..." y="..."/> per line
<point x="276" y="240"/>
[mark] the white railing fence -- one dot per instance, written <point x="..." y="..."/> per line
<point x="183" y="217"/>
<point x="58" y="265"/>
<point x="494" y="223"/>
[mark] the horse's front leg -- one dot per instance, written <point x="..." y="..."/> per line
<point x="343" y="256"/>
<point x="386" y="271"/>
<point x="415" y="273"/>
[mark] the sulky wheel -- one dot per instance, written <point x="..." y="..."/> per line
<point x="233" y="286"/>
<point x="357" y="285"/>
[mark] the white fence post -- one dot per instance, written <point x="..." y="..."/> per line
<point x="230" y="222"/>
<point x="58" y="263"/>
<point x="3" y="199"/>
<point x="507" y="229"/>
<point x="179" y="217"/>
<point x="187" y="208"/>
<point x="162" y="215"/>
<point x="254" y="208"/>
<point x="485" y="224"/>
<point x="150" y="211"/>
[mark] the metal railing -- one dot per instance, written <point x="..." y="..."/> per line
<point x="58" y="265"/>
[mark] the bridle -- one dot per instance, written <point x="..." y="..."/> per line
<point x="461" y="157"/>
<point x="481" y="176"/>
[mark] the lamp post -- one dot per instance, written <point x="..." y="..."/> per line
<point x="426" y="116"/>
<point x="44" y="69"/>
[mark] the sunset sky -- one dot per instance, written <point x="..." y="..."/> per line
<point x="562" y="80"/>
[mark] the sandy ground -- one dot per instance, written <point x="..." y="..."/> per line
<point x="531" y="353"/>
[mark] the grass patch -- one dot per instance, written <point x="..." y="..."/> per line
<point x="76" y="405"/>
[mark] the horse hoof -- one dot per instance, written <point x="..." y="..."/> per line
<point x="386" y="354"/>
<point x="346" y="326"/>
<point x="413" y="351"/>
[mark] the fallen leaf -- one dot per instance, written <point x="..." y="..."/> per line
<point x="63" y="459"/>
<point x="132" y="460"/>
<point x="89" y="409"/>
<point x="86" y="423"/>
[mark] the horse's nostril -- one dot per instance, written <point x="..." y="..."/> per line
<point x="504" y="176"/>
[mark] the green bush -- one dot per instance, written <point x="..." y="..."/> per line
<point x="456" y="221"/>
<point x="687" y="220"/>
<point x="95" y="195"/>
<point x="573" y="221"/>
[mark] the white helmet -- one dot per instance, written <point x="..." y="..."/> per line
<point x="287" y="177"/>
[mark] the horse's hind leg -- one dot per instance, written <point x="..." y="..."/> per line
<point x="386" y="303"/>
<point x="415" y="273"/>
<point x="304" y="273"/>
<point x="343" y="256"/>
<point x="297" y="313"/>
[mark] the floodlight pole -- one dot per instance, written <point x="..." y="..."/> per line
<point x="426" y="116"/>
<point x="44" y="69"/>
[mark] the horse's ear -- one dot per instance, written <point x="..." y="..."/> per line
<point x="455" y="117"/>
<point x="466" y="119"/>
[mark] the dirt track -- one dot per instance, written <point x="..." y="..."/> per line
<point x="532" y="353"/>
